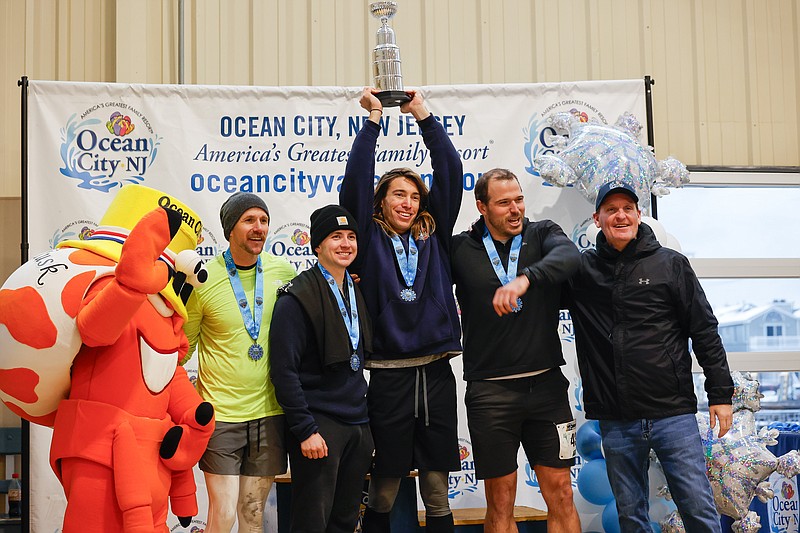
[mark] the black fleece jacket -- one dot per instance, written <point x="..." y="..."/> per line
<point x="634" y="312"/>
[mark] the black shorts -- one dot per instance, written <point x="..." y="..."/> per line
<point x="532" y="411"/>
<point x="412" y="414"/>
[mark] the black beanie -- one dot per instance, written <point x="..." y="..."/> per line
<point x="328" y="219"/>
<point x="235" y="206"/>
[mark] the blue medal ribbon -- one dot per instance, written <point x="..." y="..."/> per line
<point x="408" y="265"/>
<point x="252" y="320"/>
<point x="350" y="319"/>
<point x="513" y="261"/>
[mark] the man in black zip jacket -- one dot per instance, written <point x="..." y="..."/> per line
<point x="635" y="305"/>
<point x="508" y="273"/>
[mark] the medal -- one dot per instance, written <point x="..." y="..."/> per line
<point x="408" y="294"/>
<point x="408" y="265"/>
<point x="350" y="319"/>
<point x="252" y="320"/>
<point x="497" y="264"/>
<point x="255" y="352"/>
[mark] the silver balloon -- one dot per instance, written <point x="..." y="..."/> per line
<point x="672" y="523"/>
<point x="593" y="154"/>
<point x="739" y="463"/>
<point x="745" y="392"/>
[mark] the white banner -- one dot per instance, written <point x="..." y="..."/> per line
<point x="290" y="145"/>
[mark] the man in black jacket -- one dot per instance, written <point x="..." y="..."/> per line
<point x="508" y="273"/>
<point x="635" y="305"/>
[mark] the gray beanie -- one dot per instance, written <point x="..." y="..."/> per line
<point x="235" y="206"/>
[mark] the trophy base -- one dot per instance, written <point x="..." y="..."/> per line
<point x="393" y="98"/>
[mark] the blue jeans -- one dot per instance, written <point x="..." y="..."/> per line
<point x="676" y="441"/>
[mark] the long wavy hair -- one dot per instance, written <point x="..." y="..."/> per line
<point x="424" y="225"/>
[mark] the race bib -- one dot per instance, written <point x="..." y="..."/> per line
<point x="566" y="439"/>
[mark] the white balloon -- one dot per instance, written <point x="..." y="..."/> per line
<point x="658" y="229"/>
<point x="673" y="243"/>
<point x="591" y="233"/>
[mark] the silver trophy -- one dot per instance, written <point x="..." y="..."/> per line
<point x="386" y="58"/>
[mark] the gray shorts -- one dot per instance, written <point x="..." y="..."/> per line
<point x="255" y="448"/>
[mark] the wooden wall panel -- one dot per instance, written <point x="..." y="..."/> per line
<point x="726" y="71"/>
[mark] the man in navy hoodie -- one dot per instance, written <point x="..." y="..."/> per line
<point x="404" y="233"/>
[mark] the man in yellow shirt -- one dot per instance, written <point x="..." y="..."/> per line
<point x="229" y="324"/>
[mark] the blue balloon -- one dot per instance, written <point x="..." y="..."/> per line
<point x="593" y="482"/>
<point x="611" y="518"/>
<point x="588" y="440"/>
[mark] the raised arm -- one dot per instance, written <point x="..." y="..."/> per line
<point x="358" y="187"/>
<point x="444" y="200"/>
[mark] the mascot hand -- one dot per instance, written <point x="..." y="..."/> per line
<point x="139" y="268"/>
<point x="189" y="274"/>
<point x="176" y="453"/>
<point x="182" y="498"/>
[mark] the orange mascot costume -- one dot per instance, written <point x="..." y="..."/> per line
<point x="128" y="424"/>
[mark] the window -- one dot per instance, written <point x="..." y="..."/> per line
<point x="739" y="231"/>
<point x="774" y="331"/>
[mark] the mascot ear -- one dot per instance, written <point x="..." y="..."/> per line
<point x="174" y="220"/>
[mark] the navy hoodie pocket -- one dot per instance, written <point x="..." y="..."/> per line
<point x="409" y="327"/>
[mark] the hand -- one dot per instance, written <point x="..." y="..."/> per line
<point x="505" y="298"/>
<point x="370" y="102"/>
<point x="138" y="268"/>
<point x="723" y="413"/>
<point x="355" y="278"/>
<point x="416" y="106"/>
<point x="314" y="447"/>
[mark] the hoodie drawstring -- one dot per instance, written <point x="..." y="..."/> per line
<point x="421" y="370"/>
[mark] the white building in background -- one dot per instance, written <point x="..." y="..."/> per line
<point x="773" y="327"/>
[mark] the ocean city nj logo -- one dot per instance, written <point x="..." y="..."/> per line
<point x="787" y="491"/>
<point x="196" y="526"/>
<point x="579" y="234"/>
<point x="207" y="246"/>
<point x="539" y="134"/>
<point x="783" y="509"/>
<point x="463" y="482"/>
<point x="293" y="242"/>
<point x="76" y="230"/>
<point x="109" y="145"/>
<point x="532" y="481"/>
<point x="565" y="328"/>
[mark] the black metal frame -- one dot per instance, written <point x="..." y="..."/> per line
<point x="24" y="248"/>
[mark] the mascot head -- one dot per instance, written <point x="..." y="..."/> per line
<point x="126" y="209"/>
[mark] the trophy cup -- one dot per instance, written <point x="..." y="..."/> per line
<point x="386" y="58"/>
